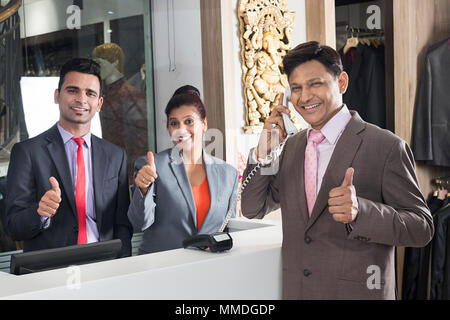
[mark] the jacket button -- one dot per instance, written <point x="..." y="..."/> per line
<point x="306" y="273"/>
<point x="308" y="240"/>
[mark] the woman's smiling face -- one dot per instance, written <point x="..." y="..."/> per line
<point x="186" y="126"/>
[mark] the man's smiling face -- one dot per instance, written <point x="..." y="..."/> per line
<point x="316" y="93"/>
<point x="79" y="98"/>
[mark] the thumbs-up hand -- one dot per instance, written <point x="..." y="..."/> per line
<point x="342" y="201"/>
<point x="50" y="200"/>
<point x="146" y="175"/>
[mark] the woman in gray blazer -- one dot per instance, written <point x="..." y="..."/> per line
<point x="181" y="191"/>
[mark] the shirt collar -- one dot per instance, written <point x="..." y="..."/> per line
<point x="334" y="127"/>
<point x="67" y="136"/>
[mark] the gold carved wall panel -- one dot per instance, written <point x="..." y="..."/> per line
<point x="266" y="27"/>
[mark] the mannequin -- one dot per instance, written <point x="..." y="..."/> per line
<point x="124" y="112"/>
<point x="109" y="72"/>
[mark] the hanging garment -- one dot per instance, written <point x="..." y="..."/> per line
<point x="431" y="124"/>
<point x="416" y="265"/>
<point x="366" y="91"/>
<point x="438" y="251"/>
<point x="446" y="286"/>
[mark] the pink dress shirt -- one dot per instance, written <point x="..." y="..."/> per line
<point x="332" y="131"/>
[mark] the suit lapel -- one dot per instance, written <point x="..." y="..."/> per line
<point x="99" y="165"/>
<point x="59" y="157"/>
<point x="212" y="175"/>
<point x="300" y="175"/>
<point x="342" y="158"/>
<point x="179" y="171"/>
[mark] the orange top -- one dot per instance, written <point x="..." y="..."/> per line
<point x="202" y="201"/>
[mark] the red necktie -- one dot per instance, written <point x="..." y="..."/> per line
<point x="80" y="193"/>
<point x="311" y="163"/>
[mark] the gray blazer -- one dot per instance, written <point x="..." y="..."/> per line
<point x="321" y="258"/>
<point x="431" y="141"/>
<point x="171" y="217"/>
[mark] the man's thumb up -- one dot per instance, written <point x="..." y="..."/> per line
<point x="342" y="201"/>
<point x="55" y="186"/>
<point x="348" y="179"/>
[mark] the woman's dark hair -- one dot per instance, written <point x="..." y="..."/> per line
<point x="313" y="50"/>
<point x="186" y="95"/>
<point x="82" y="65"/>
<point x="187" y="89"/>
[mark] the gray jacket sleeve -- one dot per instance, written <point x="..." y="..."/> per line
<point x="141" y="211"/>
<point x="260" y="195"/>
<point x="404" y="218"/>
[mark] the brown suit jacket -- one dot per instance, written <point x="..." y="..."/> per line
<point x="321" y="258"/>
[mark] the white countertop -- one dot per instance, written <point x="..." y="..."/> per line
<point x="250" y="270"/>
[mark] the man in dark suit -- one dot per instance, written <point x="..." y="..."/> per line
<point x="67" y="186"/>
<point x="347" y="189"/>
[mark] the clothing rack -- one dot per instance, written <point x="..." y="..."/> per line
<point x="368" y="37"/>
<point x="442" y="182"/>
<point x="363" y="33"/>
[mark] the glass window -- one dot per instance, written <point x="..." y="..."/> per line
<point x="112" y="32"/>
<point x="115" y="33"/>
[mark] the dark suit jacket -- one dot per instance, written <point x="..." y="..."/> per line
<point x="446" y="286"/>
<point x="431" y="142"/>
<point x="366" y="91"/>
<point x="416" y="264"/>
<point x="438" y="257"/>
<point x="33" y="162"/>
<point x="321" y="259"/>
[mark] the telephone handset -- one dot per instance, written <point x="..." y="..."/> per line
<point x="288" y="125"/>
<point x="290" y="130"/>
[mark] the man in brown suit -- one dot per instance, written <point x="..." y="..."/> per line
<point x="338" y="241"/>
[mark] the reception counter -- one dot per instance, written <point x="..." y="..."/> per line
<point x="250" y="270"/>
